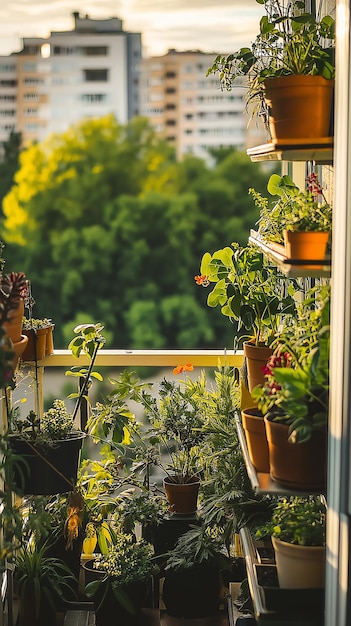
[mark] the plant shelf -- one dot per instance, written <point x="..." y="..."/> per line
<point x="273" y="605"/>
<point x="319" y="150"/>
<point x="261" y="481"/>
<point x="291" y="267"/>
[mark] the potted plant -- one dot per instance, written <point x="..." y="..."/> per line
<point x="176" y="416"/>
<point x="50" y="444"/>
<point x="12" y="292"/>
<point x="192" y="582"/>
<point x="141" y="512"/>
<point x="290" y="65"/>
<point x="40" y="341"/>
<point x="119" y="580"/>
<point x="302" y="220"/>
<point x="297" y="530"/>
<point x="43" y="585"/>
<point x="294" y="399"/>
<point x="246" y="288"/>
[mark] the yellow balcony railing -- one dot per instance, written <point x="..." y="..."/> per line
<point x="116" y="359"/>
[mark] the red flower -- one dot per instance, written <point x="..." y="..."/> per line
<point x="183" y="368"/>
<point x="202" y="279"/>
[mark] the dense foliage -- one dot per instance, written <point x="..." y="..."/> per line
<point x="108" y="225"/>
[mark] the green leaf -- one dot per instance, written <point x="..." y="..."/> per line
<point x="92" y="588"/>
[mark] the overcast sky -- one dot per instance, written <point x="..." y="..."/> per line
<point x="208" y="25"/>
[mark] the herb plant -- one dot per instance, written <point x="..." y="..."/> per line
<point x="127" y="562"/>
<point x="301" y="521"/>
<point x="248" y="290"/>
<point x="290" y="41"/>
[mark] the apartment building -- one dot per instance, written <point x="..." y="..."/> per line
<point x="53" y="83"/>
<point x="188" y="108"/>
<point x="97" y="68"/>
<point x="8" y="96"/>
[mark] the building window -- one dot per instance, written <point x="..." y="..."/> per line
<point x="31" y="112"/>
<point x="98" y="75"/>
<point x="30" y="96"/>
<point x="7" y="112"/>
<point x="170" y="90"/>
<point x="8" y="83"/>
<point x="4" y="97"/>
<point x="154" y="111"/>
<point x="6" y="67"/>
<point x="170" y="106"/>
<point x="31" y="80"/>
<point x="170" y="122"/>
<point x="7" y="128"/>
<point x="170" y="75"/>
<point x="29" y="67"/>
<point x="189" y="116"/>
<point x="63" y="50"/>
<point x="32" y="126"/>
<point x="94" y="97"/>
<point x="94" y="51"/>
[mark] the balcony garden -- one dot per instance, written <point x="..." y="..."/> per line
<point x="138" y="495"/>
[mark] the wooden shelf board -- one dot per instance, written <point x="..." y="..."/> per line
<point x="291" y="267"/>
<point x="304" y="149"/>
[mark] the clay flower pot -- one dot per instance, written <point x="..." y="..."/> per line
<point x="256" y="439"/>
<point x="291" y="99"/>
<point x="297" y="465"/>
<point x="182" y="497"/>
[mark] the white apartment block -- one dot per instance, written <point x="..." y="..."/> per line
<point x="53" y="83"/>
<point x="97" y="69"/>
<point x="8" y="96"/>
<point x="189" y="109"/>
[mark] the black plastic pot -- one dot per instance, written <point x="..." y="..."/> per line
<point x="192" y="593"/>
<point x="46" y="470"/>
<point x="107" y="608"/>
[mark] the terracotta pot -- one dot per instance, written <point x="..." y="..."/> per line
<point x="182" y="497"/>
<point x="300" y="106"/>
<point x="49" y="348"/>
<point x="36" y="347"/>
<point x="256" y="439"/>
<point x="306" y="246"/>
<point x="297" y="465"/>
<point x="13" y="327"/>
<point x="19" y="348"/>
<point x="299" y="567"/>
<point x="256" y="359"/>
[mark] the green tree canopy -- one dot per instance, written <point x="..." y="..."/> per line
<point x="107" y="224"/>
